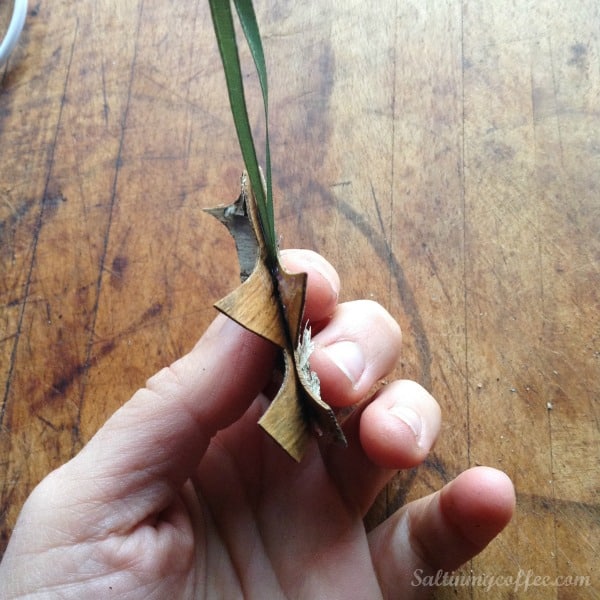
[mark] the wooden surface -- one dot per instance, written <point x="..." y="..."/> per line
<point x="444" y="155"/>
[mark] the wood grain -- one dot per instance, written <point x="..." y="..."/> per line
<point x="444" y="156"/>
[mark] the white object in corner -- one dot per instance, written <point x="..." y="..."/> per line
<point x="14" y="29"/>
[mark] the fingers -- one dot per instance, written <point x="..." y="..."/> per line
<point x="441" y="531"/>
<point x="397" y="429"/>
<point x="359" y="346"/>
<point x="148" y="448"/>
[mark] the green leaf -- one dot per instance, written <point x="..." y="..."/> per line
<point x="249" y="23"/>
<point x="226" y="39"/>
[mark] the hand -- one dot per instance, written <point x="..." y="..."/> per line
<point x="181" y="495"/>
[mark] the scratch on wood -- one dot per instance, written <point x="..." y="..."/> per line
<point x="382" y="225"/>
<point x="48" y="423"/>
<point x="434" y="270"/>
<point x="152" y="312"/>
<point x="340" y="184"/>
<point x="105" y="105"/>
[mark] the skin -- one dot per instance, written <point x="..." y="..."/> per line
<point x="181" y="495"/>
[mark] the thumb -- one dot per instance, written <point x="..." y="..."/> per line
<point x="144" y="453"/>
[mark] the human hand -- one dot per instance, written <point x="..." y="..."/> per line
<point x="181" y="495"/>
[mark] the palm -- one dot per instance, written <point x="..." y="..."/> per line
<point x="252" y="523"/>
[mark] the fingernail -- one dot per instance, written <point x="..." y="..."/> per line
<point x="410" y="417"/>
<point x="349" y="358"/>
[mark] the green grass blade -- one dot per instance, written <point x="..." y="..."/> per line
<point x="225" y="33"/>
<point x="249" y="23"/>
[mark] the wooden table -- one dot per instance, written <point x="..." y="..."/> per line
<point x="445" y="156"/>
